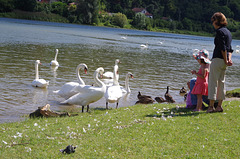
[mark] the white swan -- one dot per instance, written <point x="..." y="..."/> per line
<point x="88" y="94"/>
<point x="42" y="83"/>
<point x="54" y="62"/>
<point x="124" y="37"/>
<point x="108" y="74"/>
<point x="67" y="89"/>
<point x="114" y="92"/>
<point x="144" y="46"/>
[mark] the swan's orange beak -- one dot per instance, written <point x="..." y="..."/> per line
<point x="132" y="76"/>
<point x="85" y="70"/>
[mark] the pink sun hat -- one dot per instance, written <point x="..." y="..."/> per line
<point x="202" y="54"/>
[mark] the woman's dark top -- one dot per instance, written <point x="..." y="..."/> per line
<point x="222" y="42"/>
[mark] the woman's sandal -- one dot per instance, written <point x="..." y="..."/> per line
<point x="219" y="109"/>
<point x="210" y="109"/>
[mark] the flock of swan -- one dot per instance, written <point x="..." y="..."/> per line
<point x="78" y="93"/>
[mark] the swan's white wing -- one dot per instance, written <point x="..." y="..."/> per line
<point x="90" y="95"/>
<point x="67" y="90"/>
<point x="108" y="75"/>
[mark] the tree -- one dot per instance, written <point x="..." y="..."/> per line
<point x="59" y="8"/>
<point x="187" y="24"/>
<point x="87" y="11"/>
<point x="120" y="20"/>
<point x="6" y="5"/>
<point x="139" y="21"/>
<point x="26" y="5"/>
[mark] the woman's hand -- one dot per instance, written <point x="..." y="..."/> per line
<point x="229" y="63"/>
<point x="193" y="72"/>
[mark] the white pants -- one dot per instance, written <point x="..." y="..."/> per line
<point x="216" y="88"/>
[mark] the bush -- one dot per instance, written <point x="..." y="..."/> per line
<point x="120" y="20"/>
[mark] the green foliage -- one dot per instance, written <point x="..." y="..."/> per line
<point x="139" y="131"/>
<point x="6" y="5"/>
<point x="87" y="11"/>
<point x="233" y="93"/>
<point x="171" y="15"/>
<point x="26" y="5"/>
<point x="59" y="8"/>
<point x="139" y="21"/>
<point x="120" y="20"/>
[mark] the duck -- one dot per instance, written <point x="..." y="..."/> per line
<point x="67" y="90"/>
<point x="55" y="62"/>
<point x="88" y="94"/>
<point x="160" y="99"/>
<point x="144" y="99"/>
<point x="183" y="90"/>
<point x="113" y="92"/>
<point x="168" y="97"/>
<point x="41" y="83"/>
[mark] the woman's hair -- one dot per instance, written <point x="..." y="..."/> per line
<point x="202" y="61"/>
<point x="220" y="19"/>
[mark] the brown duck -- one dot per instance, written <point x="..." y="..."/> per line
<point x="144" y="99"/>
<point x="160" y="99"/>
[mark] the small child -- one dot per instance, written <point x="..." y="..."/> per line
<point x="201" y="85"/>
<point x="188" y="99"/>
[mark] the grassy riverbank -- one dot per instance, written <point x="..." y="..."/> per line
<point x="140" y="131"/>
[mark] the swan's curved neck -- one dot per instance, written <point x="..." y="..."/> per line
<point x="56" y="56"/>
<point x="36" y="70"/>
<point x="97" y="80"/>
<point x="127" y="84"/>
<point x="78" y="75"/>
<point x="115" y="79"/>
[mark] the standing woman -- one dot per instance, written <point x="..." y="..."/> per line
<point x="221" y="58"/>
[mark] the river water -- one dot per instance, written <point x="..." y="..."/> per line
<point x="166" y="62"/>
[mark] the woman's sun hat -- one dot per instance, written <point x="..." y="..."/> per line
<point x="202" y="54"/>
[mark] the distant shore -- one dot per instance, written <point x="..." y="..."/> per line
<point x="51" y="17"/>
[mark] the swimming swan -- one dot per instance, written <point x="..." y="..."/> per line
<point x="42" y="83"/>
<point x="54" y="62"/>
<point x="67" y="89"/>
<point x="88" y="94"/>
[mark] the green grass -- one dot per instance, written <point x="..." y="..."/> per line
<point x="233" y="93"/>
<point x="139" y="131"/>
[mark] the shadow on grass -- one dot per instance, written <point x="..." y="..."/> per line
<point x="176" y="112"/>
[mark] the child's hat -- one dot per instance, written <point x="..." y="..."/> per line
<point x="202" y="54"/>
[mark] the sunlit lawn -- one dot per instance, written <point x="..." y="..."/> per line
<point x="140" y="131"/>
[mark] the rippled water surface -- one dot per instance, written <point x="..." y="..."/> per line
<point x="166" y="62"/>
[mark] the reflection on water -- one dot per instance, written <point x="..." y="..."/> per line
<point x="166" y="62"/>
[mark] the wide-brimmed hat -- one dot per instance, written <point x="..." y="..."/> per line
<point x="202" y="54"/>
